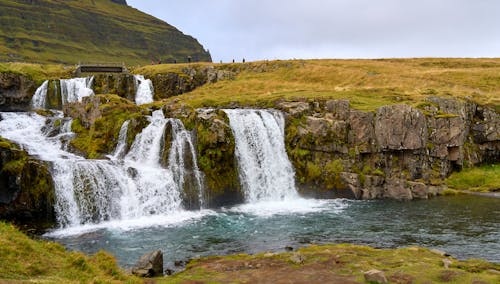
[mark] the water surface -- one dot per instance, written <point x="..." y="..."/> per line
<point x="464" y="226"/>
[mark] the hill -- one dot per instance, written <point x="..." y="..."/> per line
<point x="56" y="31"/>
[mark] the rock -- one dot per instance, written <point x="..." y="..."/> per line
<point x="169" y="271"/>
<point x="288" y="248"/>
<point x="447" y="263"/>
<point x="395" y="189"/>
<point x="297" y="258"/>
<point x="352" y="183"/>
<point x="439" y="252"/>
<point x="418" y="190"/>
<point x="294" y="108"/>
<point x="15" y="92"/>
<point x="375" y="276"/>
<point x="149" y="265"/>
<point x="361" y="131"/>
<point x="373" y="187"/>
<point x="339" y="109"/>
<point x="400" y="127"/>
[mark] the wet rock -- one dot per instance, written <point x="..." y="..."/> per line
<point x="375" y="276"/>
<point x="149" y="265"/>
<point x="288" y="248"/>
<point x="169" y="271"/>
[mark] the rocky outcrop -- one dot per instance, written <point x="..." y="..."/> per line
<point x="26" y="186"/>
<point x="15" y="92"/>
<point x="175" y="83"/>
<point x="398" y="151"/>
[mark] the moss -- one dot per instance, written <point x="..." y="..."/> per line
<point x="15" y="167"/>
<point x="313" y="171"/>
<point x="333" y="170"/>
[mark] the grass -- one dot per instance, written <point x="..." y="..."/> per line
<point x="480" y="179"/>
<point x="89" y="31"/>
<point x="38" y="72"/>
<point x="368" y="84"/>
<point x="326" y="262"/>
<point x="24" y="259"/>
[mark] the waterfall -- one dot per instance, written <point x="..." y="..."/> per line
<point x="265" y="171"/>
<point x="144" y="90"/>
<point x="73" y="90"/>
<point x="94" y="191"/>
<point x="39" y="98"/>
<point x="121" y="146"/>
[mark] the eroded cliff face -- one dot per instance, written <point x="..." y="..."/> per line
<point x="398" y="151"/>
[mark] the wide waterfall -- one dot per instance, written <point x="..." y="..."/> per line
<point x="265" y="171"/>
<point x="74" y="90"/>
<point x="93" y="191"/>
<point x="39" y="98"/>
<point x="144" y="90"/>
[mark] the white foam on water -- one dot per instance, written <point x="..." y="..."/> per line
<point x="174" y="219"/>
<point x="290" y="207"/>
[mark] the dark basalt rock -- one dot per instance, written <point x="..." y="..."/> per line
<point x="15" y="92"/>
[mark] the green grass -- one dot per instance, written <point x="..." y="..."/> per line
<point x="24" y="259"/>
<point x="368" y="84"/>
<point x="420" y="265"/>
<point x="89" y="31"/>
<point x="481" y="179"/>
<point x="38" y="72"/>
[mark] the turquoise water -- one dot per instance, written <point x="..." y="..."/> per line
<point x="464" y="226"/>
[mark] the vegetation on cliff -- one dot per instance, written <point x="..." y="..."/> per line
<point x="94" y="31"/>
<point x="24" y="259"/>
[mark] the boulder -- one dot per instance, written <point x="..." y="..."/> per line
<point x="400" y="127"/>
<point x="396" y="189"/>
<point x="418" y="190"/>
<point x="375" y="276"/>
<point x="294" y="108"/>
<point x="149" y="265"/>
<point x="338" y="108"/>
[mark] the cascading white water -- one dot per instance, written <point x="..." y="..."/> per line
<point x="121" y="146"/>
<point x="176" y="161"/>
<point x="265" y="171"/>
<point x="39" y="98"/>
<point x="93" y="191"/>
<point x="74" y="90"/>
<point x="144" y="90"/>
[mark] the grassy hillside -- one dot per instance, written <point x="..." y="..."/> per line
<point x="368" y="84"/>
<point x="23" y="259"/>
<point x="58" y="31"/>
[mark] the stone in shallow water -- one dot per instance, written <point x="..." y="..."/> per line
<point x="149" y="265"/>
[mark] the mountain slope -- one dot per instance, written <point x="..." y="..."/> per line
<point x="71" y="31"/>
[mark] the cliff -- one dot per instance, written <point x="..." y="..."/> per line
<point x="89" y="31"/>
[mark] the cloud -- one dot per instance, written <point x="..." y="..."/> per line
<point x="262" y="29"/>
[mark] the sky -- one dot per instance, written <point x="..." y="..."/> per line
<point x="287" y="29"/>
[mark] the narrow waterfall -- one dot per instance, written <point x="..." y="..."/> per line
<point x="39" y="98"/>
<point x="121" y="146"/>
<point x="94" y="191"/>
<point x="182" y="151"/>
<point x="265" y="171"/>
<point x="73" y="90"/>
<point x="144" y="90"/>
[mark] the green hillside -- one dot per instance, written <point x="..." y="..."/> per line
<point x="72" y="31"/>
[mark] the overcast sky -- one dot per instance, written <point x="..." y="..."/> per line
<point x="284" y="29"/>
